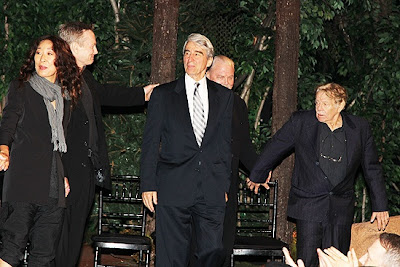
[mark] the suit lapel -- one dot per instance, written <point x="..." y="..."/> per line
<point x="352" y="137"/>
<point x="182" y="107"/>
<point x="214" y="109"/>
<point x="313" y="136"/>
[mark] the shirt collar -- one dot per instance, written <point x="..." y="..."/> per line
<point x="189" y="81"/>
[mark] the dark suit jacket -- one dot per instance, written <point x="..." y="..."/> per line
<point x="242" y="148"/>
<point x="312" y="197"/>
<point x="172" y="163"/>
<point x="76" y="161"/>
<point x="26" y="130"/>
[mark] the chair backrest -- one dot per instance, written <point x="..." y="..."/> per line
<point x="122" y="210"/>
<point x="257" y="212"/>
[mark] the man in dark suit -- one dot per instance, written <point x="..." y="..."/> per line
<point x="186" y="160"/>
<point x="222" y="71"/>
<point x="86" y="162"/>
<point x="330" y="146"/>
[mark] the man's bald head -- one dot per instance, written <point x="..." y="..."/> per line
<point x="222" y="71"/>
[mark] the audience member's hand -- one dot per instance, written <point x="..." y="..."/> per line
<point x="150" y="198"/>
<point x="290" y="261"/>
<point x="332" y="257"/>
<point x="226" y="197"/>
<point x="382" y="219"/>
<point x="66" y="186"/>
<point x="255" y="186"/>
<point x="148" y="89"/>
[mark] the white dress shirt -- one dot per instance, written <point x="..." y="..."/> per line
<point x="190" y="85"/>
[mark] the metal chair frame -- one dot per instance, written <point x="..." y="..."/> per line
<point x="261" y="232"/>
<point x="122" y="193"/>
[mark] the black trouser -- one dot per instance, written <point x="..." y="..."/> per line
<point x="174" y="232"/>
<point x="73" y="228"/>
<point x="229" y="232"/>
<point x="230" y="222"/>
<point x="38" y="224"/>
<point x="313" y="235"/>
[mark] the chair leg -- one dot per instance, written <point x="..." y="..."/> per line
<point x="148" y="258"/>
<point x="25" y="259"/>
<point x="140" y="257"/>
<point x="96" y="257"/>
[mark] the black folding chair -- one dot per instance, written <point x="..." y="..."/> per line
<point x="256" y="224"/>
<point x="122" y="220"/>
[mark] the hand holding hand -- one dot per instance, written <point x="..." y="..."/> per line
<point x="256" y="186"/>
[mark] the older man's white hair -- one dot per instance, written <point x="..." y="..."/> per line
<point x="201" y="41"/>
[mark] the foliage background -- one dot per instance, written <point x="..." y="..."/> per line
<point x="353" y="43"/>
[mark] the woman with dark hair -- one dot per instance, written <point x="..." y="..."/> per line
<point x="31" y="143"/>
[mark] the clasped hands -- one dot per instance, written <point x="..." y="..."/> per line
<point x="255" y="186"/>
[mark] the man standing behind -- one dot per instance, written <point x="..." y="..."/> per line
<point x="222" y="71"/>
<point x="87" y="148"/>
<point x="186" y="160"/>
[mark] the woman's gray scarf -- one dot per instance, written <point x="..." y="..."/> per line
<point x="50" y="92"/>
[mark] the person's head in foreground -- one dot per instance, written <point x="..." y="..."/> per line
<point x="385" y="251"/>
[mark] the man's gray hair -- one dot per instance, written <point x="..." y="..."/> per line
<point x="72" y="31"/>
<point x="201" y="41"/>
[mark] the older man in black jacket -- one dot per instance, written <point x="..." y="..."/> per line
<point x="330" y="146"/>
<point x="86" y="162"/>
<point x="186" y="160"/>
<point x="222" y="71"/>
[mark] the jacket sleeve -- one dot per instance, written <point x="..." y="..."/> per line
<point x="275" y="150"/>
<point x="114" y="95"/>
<point x="12" y="112"/>
<point x="373" y="171"/>
<point x="151" y="142"/>
<point x="248" y="155"/>
<point x="227" y="125"/>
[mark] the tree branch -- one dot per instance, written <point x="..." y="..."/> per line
<point x="246" y="88"/>
<point x="260" y="108"/>
<point x="116" y="8"/>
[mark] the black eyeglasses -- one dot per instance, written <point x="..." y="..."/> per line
<point x="332" y="159"/>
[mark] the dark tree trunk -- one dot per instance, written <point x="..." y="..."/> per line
<point x="163" y="61"/>
<point x="285" y="97"/>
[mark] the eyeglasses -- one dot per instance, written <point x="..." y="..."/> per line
<point x="332" y="159"/>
